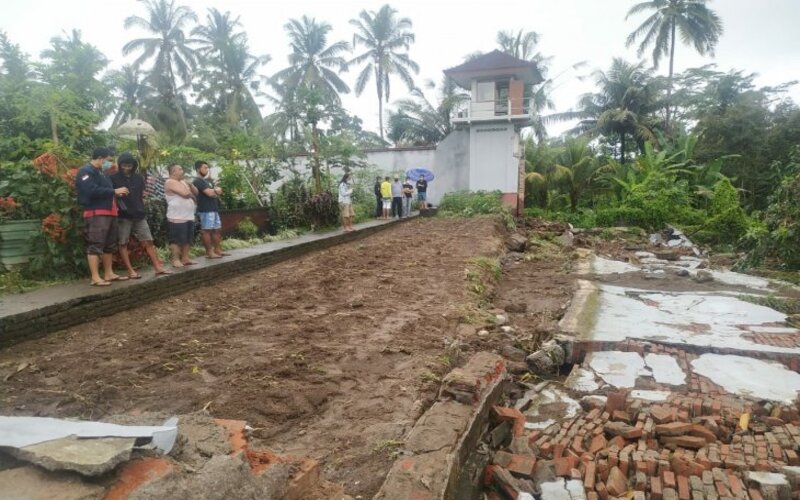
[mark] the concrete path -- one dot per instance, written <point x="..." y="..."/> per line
<point x="39" y="304"/>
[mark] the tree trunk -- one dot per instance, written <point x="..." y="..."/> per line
<point x="622" y="148"/>
<point x="379" y="83"/>
<point x="669" y="78"/>
<point x="315" y="166"/>
<point x="54" y="127"/>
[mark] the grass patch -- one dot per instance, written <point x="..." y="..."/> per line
<point x="785" y="305"/>
<point x="388" y="446"/>
<point x="12" y="282"/>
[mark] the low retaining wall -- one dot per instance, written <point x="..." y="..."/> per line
<point x="231" y="219"/>
<point x="39" y="322"/>
<point x="442" y="439"/>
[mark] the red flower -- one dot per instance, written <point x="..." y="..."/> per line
<point x="51" y="226"/>
<point x="47" y="163"/>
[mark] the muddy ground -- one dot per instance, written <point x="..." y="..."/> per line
<point x="333" y="355"/>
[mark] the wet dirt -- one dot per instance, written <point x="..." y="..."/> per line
<point x="332" y="355"/>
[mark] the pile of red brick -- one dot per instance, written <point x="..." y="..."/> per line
<point x="698" y="444"/>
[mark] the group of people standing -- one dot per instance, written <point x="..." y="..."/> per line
<point x="114" y="209"/>
<point x="394" y="198"/>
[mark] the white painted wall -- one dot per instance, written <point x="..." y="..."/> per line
<point x="492" y="165"/>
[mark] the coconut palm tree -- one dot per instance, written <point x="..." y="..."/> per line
<point x="418" y="121"/>
<point x="576" y="169"/>
<point x="692" y="19"/>
<point x="313" y="63"/>
<point x="131" y="91"/>
<point x="230" y="72"/>
<point x="174" y="58"/>
<point x="522" y="45"/>
<point x="387" y="40"/>
<point x="626" y="99"/>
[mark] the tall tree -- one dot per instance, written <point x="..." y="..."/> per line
<point x="75" y="96"/>
<point x="131" y="91"/>
<point x="419" y="122"/>
<point x="174" y="57"/>
<point x="522" y="45"/>
<point x="692" y="19"/>
<point x="622" y="107"/>
<point x="230" y="71"/>
<point x="313" y="63"/>
<point x="386" y="40"/>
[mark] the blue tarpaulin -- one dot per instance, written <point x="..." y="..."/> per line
<point x="416" y="173"/>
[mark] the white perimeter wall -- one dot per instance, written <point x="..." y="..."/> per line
<point x="492" y="164"/>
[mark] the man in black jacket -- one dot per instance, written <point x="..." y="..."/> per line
<point x="132" y="214"/>
<point x="97" y="196"/>
<point x="378" y="198"/>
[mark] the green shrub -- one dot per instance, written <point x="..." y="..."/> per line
<point x="779" y="235"/>
<point x="468" y="203"/>
<point x="322" y="210"/>
<point x="728" y="221"/>
<point x="657" y="201"/>
<point x="247" y="229"/>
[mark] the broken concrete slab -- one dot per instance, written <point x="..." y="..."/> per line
<point x="749" y="376"/>
<point x="19" y="432"/>
<point x="617" y="368"/>
<point x="89" y="457"/>
<point x="33" y="483"/>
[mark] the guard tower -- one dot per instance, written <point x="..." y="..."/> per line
<point x="497" y="111"/>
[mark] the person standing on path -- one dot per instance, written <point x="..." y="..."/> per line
<point x="132" y="214"/>
<point x="97" y="196"/>
<point x="386" y="197"/>
<point x="378" y="198"/>
<point x="397" y="198"/>
<point x="208" y="211"/>
<point x="180" y="215"/>
<point x="346" y="203"/>
<point x="422" y="193"/>
<point x="408" y="192"/>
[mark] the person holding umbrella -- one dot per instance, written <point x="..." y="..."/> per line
<point x="423" y="176"/>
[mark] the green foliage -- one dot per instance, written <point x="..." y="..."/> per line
<point x="246" y="228"/>
<point x="657" y="201"/>
<point x="779" y="237"/>
<point x="728" y="220"/>
<point x="467" y="204"/>
<point x="321" y="210"/>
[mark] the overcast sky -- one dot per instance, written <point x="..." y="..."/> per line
<point x="760" y="36"/>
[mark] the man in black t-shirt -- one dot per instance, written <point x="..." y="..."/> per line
<point x="422" y="192"/>
<point x="208" y="211"/>
<point x="378" y="198"/>
<point x="408" y="191"/>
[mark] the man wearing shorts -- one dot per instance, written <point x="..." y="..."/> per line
<point x="386" y="197"/>
<point x="132" y="214"/>
<point x="181" y="206"/>
<point x="97" y="196"/>
<point x="208" y="211"/>
<point x="346" y="203"/>
<point x="422" y="192"/>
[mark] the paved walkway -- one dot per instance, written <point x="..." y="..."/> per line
<point x="79" y="290"/>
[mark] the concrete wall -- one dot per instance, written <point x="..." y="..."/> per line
<point x="451" y="166"/>
<point x="492" y="162"/>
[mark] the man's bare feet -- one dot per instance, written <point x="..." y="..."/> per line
<point x="161" y="271"/>
<point x="116" y="277"/>
<point x="177" y="263"/>
<point x="213" y="256"/>
<point x="188" y="262"/>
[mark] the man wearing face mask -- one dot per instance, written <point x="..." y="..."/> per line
<point x="97" y="196"/>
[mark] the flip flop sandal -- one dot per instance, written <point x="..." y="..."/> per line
<point x="119" y="278"/>
<point x="164" y="272"/>
<point x="100" y="283"/>
<point x="134" y="276"/>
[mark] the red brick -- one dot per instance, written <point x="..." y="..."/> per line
<point x="673" y="428"/>
<point x="621" y="416"/>
<point x="518" y="465"/>
<point x="683" y="488"/>
<point x="792" y="457"/>
<point x="669" y="479"/>
<point x="564" y="465"/>
<point x="660" y="415"/>
<point x="754" y="494"/>
<point x="589" y="475"/>
<point x="601" y="491"/>
<point x="691" y="442"/>
<point x="617" y="484"/>
<point x="577" y="444"/>
<point x="722" y="490"/>
<point x="616" y="401"/>
<point x="592" y="495"/>
<point x="598" y="443"/>
<point x="655" y="488"/>
<point x="617" y="441"/>
<point x="703" y="432"/>
<point x="506" y="414"/>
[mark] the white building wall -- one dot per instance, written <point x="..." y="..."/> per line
<point x="492" y="165"/>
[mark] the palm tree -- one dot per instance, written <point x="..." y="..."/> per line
<point x="622" y="107"/>
<point x="174" y="58"/>
<point x="576" y="169"/>
<point x="231" y="73"/>
<point x="420" y="122"/>
<point x="387" y="40"/>
<point x="131" y="91"/>
<point x="287" y="120"/>
<point x="697" y="24"/>
<point x="522" y="45"/>
<point x="313" y="63"/>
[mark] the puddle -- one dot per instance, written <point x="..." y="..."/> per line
<point x="749" y="377"/>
